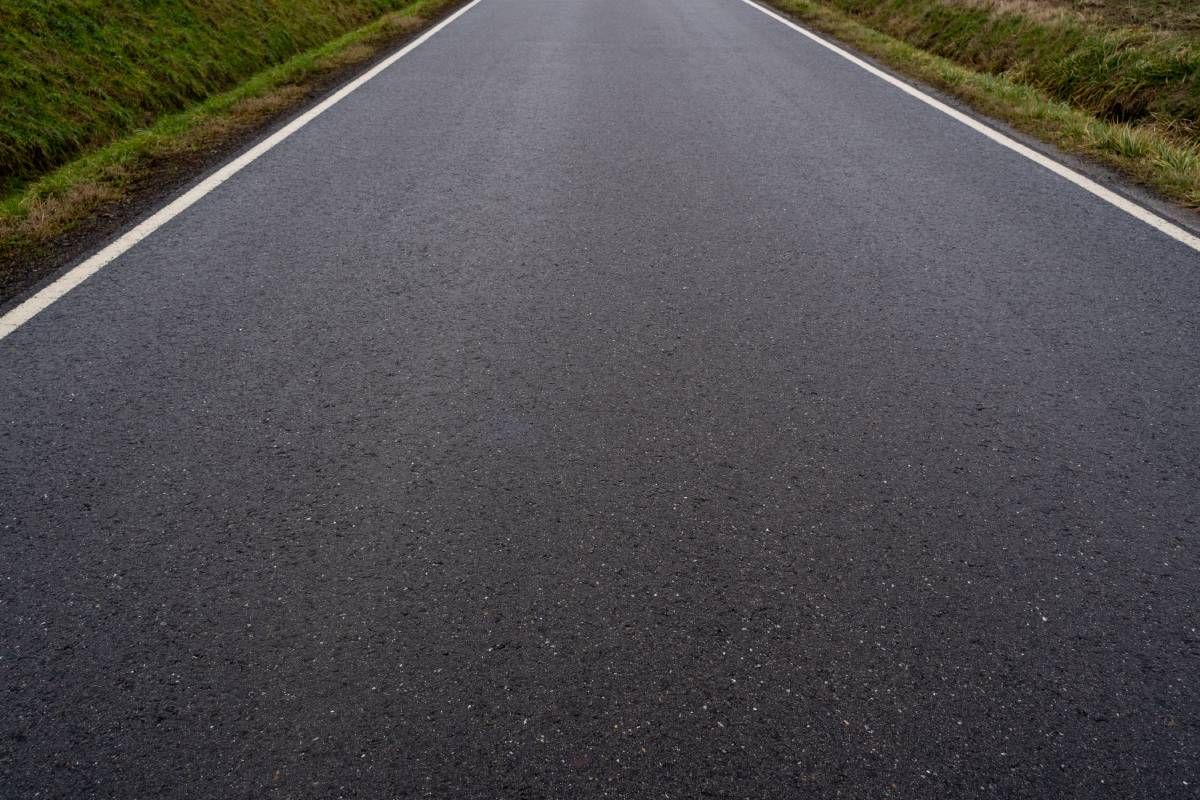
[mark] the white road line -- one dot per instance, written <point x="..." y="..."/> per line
<point x="47" y="296"/>
<point x="1087" y="184"/>
<point x="24" y="312"/>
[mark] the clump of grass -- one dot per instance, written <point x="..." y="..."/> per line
<point x="1159" y="149"/>
<point x="1122" y="140"/>
<point x="1181" y="159"/>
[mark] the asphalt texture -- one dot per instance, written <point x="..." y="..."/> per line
<point x="612" y="399"/>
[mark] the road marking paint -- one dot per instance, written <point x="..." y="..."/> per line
<point x="1087" y="184"/>
<point x="45" y="297"/>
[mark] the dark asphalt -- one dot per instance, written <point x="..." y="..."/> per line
<point x="624" y="399"/>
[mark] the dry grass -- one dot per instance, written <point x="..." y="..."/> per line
<point x="1167" y="15"/>
<point x="1171" y="16"/>
<point x="46" y="217"/>
<point x="1040" y="10"/>
<point x="392" y="25"/>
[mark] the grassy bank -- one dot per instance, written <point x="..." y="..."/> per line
<point x="1117" y="73"/>
<point x="99" y="98"/>
<point x="1127" y="96"/>
<point x="78" y="74"/>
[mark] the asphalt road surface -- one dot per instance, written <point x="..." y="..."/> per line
<point x="625" y="398"/>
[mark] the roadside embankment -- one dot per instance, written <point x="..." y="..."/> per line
<point x="1114" y="81"/>
<point x="101" y="102"/>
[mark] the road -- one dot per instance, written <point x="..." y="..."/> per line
<point x="612" y="399"/>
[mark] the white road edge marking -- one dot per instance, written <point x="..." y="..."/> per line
<point x="30" y="308"/>
<point x="1087" y="184"/>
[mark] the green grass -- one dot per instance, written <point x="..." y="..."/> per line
<point x="76" y="75"/>
<point x="69" y="151"/>
<point x="1121" y="74"/>
<point x="1129" y="98"/>
<point x="99" y="97"/>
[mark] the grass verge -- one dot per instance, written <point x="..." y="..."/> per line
<point x="1159" y="150"/>
<point x="38" y="214"/>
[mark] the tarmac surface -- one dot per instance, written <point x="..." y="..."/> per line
<point x="612" y="399"/>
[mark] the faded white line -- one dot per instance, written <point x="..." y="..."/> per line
<point x="1087" y="184"/>
<point x="44" y="298"/>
